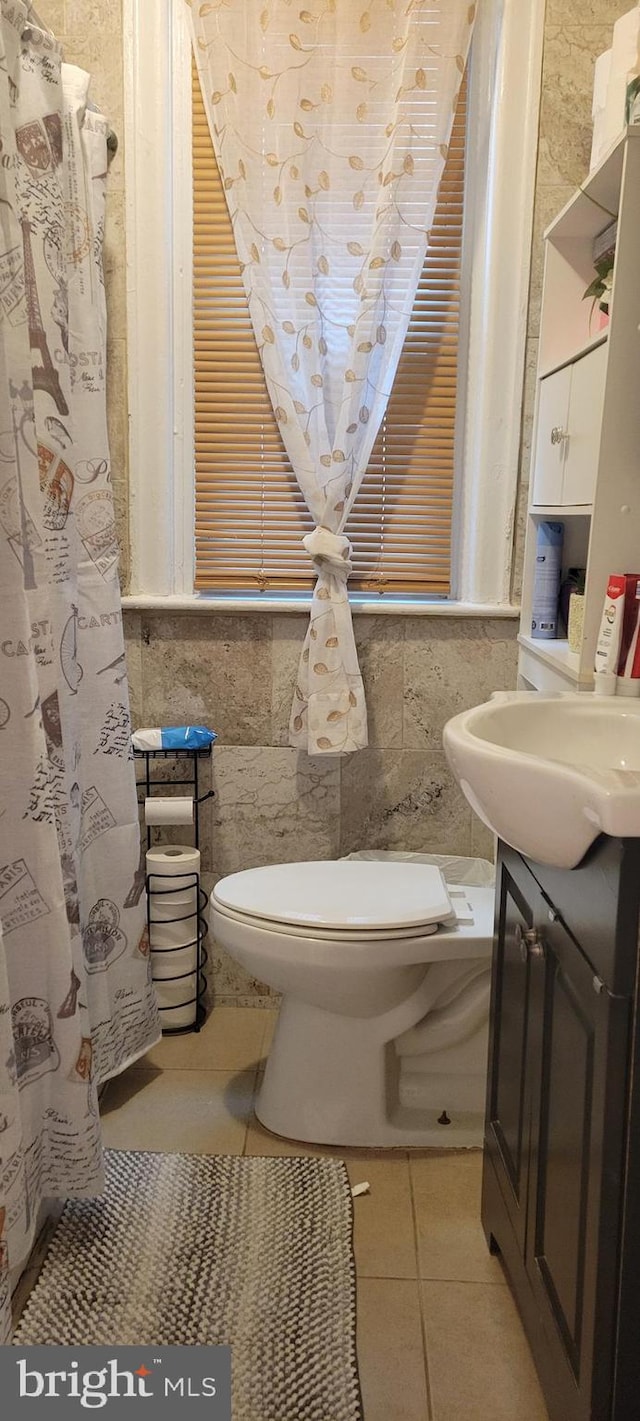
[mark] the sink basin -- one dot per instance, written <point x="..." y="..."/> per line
<point x="548" y="773"/>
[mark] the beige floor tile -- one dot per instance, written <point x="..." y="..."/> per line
<point x="383" y="1220"/>
<point x="390" y="1351"/>
<point x="231" y="1040"/>
<point x="200" y="1112"/>
<point x="451" y="1244"/>
<point x="480" y="1367"/>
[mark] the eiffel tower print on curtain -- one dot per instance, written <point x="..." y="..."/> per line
<point x="45" y="376"/>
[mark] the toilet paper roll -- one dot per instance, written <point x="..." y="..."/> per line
<point x="170" y="935"/>
<point x="176" y="861"/>
<point x="600" y="141"/>
<point x="176" y="964"/>
<point x="168" y="906"/>
<point x="176" y="809"/>
<point x="625" y="53"/>
<point x="169" y="995"/>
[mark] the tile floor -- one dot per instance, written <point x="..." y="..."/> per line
<point x="439" y="1338"/>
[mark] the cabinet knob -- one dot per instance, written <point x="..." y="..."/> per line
<point x="529" y="943"/>
<point x="558" y="434"/>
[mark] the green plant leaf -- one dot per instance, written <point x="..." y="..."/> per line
<point x="596" y="288"/>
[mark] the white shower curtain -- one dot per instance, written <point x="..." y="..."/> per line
<point x="76" y="1002"/>
<point x="330" y="126"/>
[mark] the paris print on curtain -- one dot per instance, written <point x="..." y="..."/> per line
<point x="330" y="125"/>
<point x="76" y="1003"/>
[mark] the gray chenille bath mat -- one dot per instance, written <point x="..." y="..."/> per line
<point x="191" y="1249"/>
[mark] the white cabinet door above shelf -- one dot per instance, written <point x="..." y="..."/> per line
<point x="585" y="421"/>
<point x="550" y="450"/>
<point x="568" y="432"/>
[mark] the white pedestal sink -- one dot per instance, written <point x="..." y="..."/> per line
<point x="548" y="773"/>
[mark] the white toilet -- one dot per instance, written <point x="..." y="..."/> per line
<point x="382" y="1034"/>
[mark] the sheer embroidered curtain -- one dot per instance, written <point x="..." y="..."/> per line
<point x="330" y="126"/>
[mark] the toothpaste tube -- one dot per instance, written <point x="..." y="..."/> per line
<point x="174" y="737"/>
<point x="610" y="636"/>
<point x="628" y="678"/>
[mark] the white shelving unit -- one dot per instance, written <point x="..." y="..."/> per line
<point x="585" y="469"/>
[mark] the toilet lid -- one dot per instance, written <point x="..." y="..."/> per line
<point x="344" y="894"/>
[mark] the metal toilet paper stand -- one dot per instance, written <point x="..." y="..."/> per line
<point x="145" y="789"/>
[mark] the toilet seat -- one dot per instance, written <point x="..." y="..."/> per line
<point x="323" y="934"/>
<point x="353" y="899"/>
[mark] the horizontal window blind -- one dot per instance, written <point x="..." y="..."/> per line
<point x="250" y="513"/>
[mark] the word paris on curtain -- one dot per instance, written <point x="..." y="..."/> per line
<point x="76" y="1000"/>
<point x="330" y="127"/>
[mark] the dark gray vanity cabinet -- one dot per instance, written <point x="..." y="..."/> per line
<point x="561" y="1180"/>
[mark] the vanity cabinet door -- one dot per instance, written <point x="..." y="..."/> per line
<point x="511" y="1081"/>
<point x="551" y="437"/>
<point x="579" y="1032"/>
<point x="557" y="1131"/>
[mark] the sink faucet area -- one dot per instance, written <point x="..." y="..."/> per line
<point x="549" y="773"/>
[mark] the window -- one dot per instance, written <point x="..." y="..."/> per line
<point x="501" y="149"/>
<point x="250" y="513"/>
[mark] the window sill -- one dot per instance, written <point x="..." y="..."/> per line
<point x="372" y="604"/>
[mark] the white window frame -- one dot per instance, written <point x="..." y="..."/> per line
<point x="505" y="90"/>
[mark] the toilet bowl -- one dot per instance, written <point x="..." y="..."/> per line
<point x="381" y="1039"/>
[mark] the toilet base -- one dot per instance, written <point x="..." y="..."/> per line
<point x="333" y="1080"/>
<point x="406" y="1129"/>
